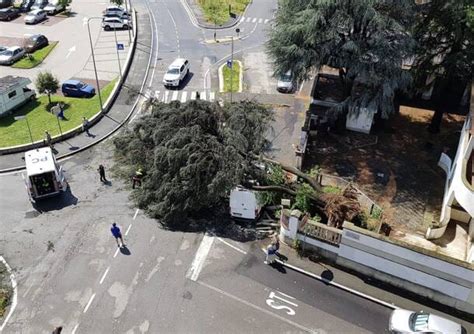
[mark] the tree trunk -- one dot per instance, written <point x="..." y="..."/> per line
<point x="435" y="124"/>
<point x="49" y="99"/>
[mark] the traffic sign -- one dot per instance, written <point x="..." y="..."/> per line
<point x="229" y="63"/>
<point x="120" y="46"/>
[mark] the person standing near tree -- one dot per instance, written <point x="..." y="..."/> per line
<point x="101" y="170"/>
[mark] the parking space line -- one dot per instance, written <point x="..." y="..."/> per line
<point x="175" y="96"/>
<point x="116" y="252"/>
<point x="136" y="213"/>
<point x="104" y="275"/>
<point x="89" y="303"/>
<point x="240" y="300"/>
<point x="232" y="246"/>
<point x="74" y="329"/>
<point x="128" y="229"/>
<point x="200" y="258"/>
<point x="254" y="20"/>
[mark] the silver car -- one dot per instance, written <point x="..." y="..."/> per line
<point x="11" y="55"/>
<point x="35" y="16"/>
<point x="286" y="83"/>
<point x="409" y="322"/>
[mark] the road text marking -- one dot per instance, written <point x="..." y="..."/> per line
<point x="277" y="305"/>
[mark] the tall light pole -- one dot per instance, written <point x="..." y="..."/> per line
<point x="117" y="49"/>
<point x="17" y="118"/>
<point x="232" y="65"/>
<point x="93" y="61"/>
<point x="130" y="19"/>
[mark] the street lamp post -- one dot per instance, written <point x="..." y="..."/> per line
<point x="93" y="61"/>
<point x="232" y="65"/>
<point x="129" y="36"/>
<point x="17" y="118"/>
<point x="117" y="50"/>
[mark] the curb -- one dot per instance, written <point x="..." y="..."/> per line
<point x="196" y="22"/>
<point x="97" y="118"/>
<point x="337" y="285"/>
<point x="15" y="293"/>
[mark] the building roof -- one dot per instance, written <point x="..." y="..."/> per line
<point x="8" y="82"/>
<point x="39" y="161"/>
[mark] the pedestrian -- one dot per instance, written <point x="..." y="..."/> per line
<point x="198" y="96"/>
<point x="58" y="330"/>
<point x="101" y="170"/>
<point x="47" y="138"/>
<point x="117" y="234"/>
<point x="85" y="126"/>
<point x="272" y="250"/>
<point x="137" y="178"/>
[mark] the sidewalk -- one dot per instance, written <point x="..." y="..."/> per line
<point x="386" y="294"/>
<point x="118" y="113"/>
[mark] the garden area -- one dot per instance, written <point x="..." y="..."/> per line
<point x="231" y="80"/>
<point x="5" y="289"/>
<point x="36" y="58"/>
<point x="15" y="132"/>
<point x="217" y="11"/>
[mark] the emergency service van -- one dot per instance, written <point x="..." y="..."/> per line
<point x="44" y="176"/>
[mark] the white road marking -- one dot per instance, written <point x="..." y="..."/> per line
<point x="136" y="213"/>
<point x="242" y="19"/>
<point x="116" y="252"/>
<point x="104" y="275"/>
<point x="128" y="229"/>
<point x="152" y="18"/>
<point x="70" y="50"/>
<point x="157" y="94"/>
<point x="74" y="329"/>
<point x="183" y="96"/>
<point x="265" y="22"/>
<point x="15" y="292"/>
<point x="212" y="96"/>
<point x="193" y="95"/>
<point x="232" y="246"/>
<point x="200" y="258"/>
<point x="254" y="20"/>
<point x="260" y="20"/>
<point x="89" y="303"/>
<point x="203" y="95"/>
<point x="175" y="96"/>
<point x="248" y="19"/>
<point x="256" y="307"/>
<point x="165" y="97"/>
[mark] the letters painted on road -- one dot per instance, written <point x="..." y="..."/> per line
<point x="279" y="304"/>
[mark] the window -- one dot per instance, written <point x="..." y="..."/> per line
<point x="181" y="69"/>
<point x="12" y="94"/>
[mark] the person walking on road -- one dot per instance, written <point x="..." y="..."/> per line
<point x="58" y="330"/>
<point x="101" y="170"/>
<point x="272" y="250"/>
<point x="117" y="234"/>
<point x="85" y="126"/>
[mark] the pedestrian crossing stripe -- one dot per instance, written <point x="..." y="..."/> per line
<point x="259" y="20"/>
<point x="183" y="96"/>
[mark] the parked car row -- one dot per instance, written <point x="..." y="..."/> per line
<point x="115" y="17"/>
<point x="37" y="10"/>
<point x="31" y="43"/>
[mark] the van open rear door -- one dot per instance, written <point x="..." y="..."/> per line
<point x="28" y="187"/>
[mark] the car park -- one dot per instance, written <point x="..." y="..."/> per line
<point x="409" y="322"/>
<point x="39" y="4"/>
<point x="11" y="55"/>
<point x="35" y="16"/>
<point x="54" y="7"/>
<point x="35" y="42"/>
<point x="110" y="23"/>
<point x="76" y="88"/>
<point x="177" y="71"/>
<point x="8" y="14"/>
<point x="286" y="83"/>
<point x="26" y="5"/>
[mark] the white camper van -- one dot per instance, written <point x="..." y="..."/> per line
<point x="44" y="177"/>
<point x="13" y="93"/>
<point x="244" y="204"/>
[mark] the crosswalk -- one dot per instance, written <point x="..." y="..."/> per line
<point x="258" y="20"/>
<point x="167" y="96"/>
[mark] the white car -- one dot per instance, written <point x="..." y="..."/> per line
<point x="110" y="23"/>
<point x="35" y="16"/>
<point x="11" y="55"/>
<point x="115" y="10"/>
<point x="177" y="71"/>
<point x="54" y="7"/>
<point x="409" y="322"/>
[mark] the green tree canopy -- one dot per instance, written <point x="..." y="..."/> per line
<point x="192" y="154"/>
<point x="47" y="83"/>
<point x="367" y="40"/>
<point x="445" y="49"/>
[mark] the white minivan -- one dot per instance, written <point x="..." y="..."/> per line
<point x="44" y="177"/>
<point x="244" y="204"/>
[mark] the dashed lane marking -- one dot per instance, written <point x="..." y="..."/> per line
<point x="89" y="303"/>
<point x="104" y="275"/>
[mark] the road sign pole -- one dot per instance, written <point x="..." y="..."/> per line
<point x="93" y="61"/>
<point x="29" y="129"/>
<point x="117" y="50"/>
<point x="231" y="69"/>
<point x="59" y="125"/>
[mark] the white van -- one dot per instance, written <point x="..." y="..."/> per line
<point x="244" y="204"/>
<point x="44" y="177"/>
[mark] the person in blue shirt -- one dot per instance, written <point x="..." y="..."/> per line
<point x="117" y="234"/>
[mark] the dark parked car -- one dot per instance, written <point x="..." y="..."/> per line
<point x="8" y="14"/>
<point x="35" y="42"/>
<point x="76" y="88"/>
<point x="6" y="3"/>
<point x="26" y="5"/>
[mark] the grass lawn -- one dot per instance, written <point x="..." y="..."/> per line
<point x="16" y="132"/>
<point x="37" y="57"/>
<point x="217" y="11"/>
<point x="235" y="78"/>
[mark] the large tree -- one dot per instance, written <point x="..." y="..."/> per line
<point x="47" y="83"/>
<point x="367" y="40"/>
<point x="445" y="51"/>
<point x="192" y="154"/>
